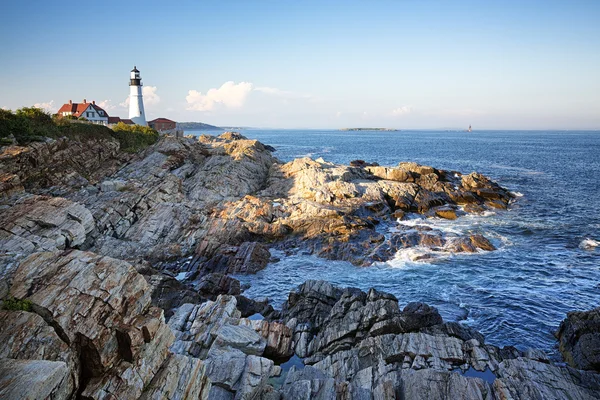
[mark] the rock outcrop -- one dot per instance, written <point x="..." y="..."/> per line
<point x="212" y="206"/>
<point x="579" y="339"/>
<point x="359" y="345"/>
<point x="96" y="249"/>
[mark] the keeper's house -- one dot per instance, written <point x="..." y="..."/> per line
<point x="89" y="111"/>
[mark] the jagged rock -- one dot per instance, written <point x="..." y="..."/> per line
<point x="308" y="383"/>
<point x="527" y="379"/>
<point x="100" y="307"/>
<point x="248" y="258"/>
<point x="353" y="353"/>
<point x="416" y="316"/>
<point x="250" y="307"/>
<point x="40" y="223"/>
<point x="230" y="347"/>
<point x="579" y="339"/>
<point x="311" y="302"/>
<point x="278" y="338"/>
<point x="168" y="293"/>
<point x="469" y="244"/>
<point x="454" y="329"/>
<point x="34" y="379"/>
<point x="179" y="378"/>
<point x="446" y="213"/>
<point x="240" y="337"/>
<point x="26" y="336"/>
<point x="441" y="385"/>
<point x="10" y="185"/>
<point x="195" y="326"/>
<point x="214" y="284"/>
<point x="62" y="161"/>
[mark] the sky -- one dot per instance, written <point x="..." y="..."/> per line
<point x="405" y="64"/>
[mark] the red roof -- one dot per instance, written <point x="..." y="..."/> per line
<point x="161" y="120"/>
<point x="75" y="108"/>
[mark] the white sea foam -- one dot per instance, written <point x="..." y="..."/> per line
<point x="517" y="194"/>
<point x="415" y="255"/>
<point x="441" y="224"/>
<point x="589" y="244"/>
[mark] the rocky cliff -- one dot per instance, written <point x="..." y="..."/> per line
<point x="114" y="275"/>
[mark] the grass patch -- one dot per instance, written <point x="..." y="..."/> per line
<point x="13" y="304"/>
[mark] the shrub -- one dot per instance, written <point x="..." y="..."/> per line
<point x="134" y="138"/>
<point x="29" y="124"/>
<point x="13" y="304"/>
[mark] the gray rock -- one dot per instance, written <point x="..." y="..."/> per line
<point x="34" y="379"/>
<point x="242" y="338"/>
<point x="579" y="339"/>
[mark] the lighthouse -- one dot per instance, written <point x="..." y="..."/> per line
<point x="136" y="101"/>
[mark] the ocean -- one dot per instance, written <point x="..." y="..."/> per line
<point x="548" y="259"/>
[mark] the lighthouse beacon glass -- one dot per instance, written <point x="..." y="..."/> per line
<point x="136" y="100"/>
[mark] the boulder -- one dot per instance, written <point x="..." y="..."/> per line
<point x="579" y="339"/>
<point x="214" y="284"/>
<point x="416" y="316"/>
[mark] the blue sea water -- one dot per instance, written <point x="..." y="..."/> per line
<point x="516" y="295"/>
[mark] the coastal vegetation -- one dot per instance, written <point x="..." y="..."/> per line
<point x="134" y="138"/>
<point x="30" y="124"/>
<point x="195" y="126"/>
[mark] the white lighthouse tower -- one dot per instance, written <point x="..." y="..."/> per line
<point x="136" y="101"/>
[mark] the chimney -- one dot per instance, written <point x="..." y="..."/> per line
<point x="84" y="101"/>
<point x="94" y="102"/>
<point x="70" y="102"/>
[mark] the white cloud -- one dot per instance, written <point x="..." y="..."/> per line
<point x="47" y="106"/>
<point x="401" y="111"/>
<point x="229" y="94"/>
<point x="107" y="105"/>
<point x="149" y="94"/>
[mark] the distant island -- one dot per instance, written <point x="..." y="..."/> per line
<point x="235" y="128"/>
<point x="195" y="126"/>
<point x="370" y="129"/>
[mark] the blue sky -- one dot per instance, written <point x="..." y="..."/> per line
<point x="313" y="64"/>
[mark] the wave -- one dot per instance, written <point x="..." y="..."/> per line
<point x="415" y="255"/>
<point x="589" y="244"/>
<point x="517" y="194"/>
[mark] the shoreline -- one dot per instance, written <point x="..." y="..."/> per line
<point x="212" y="208"/>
